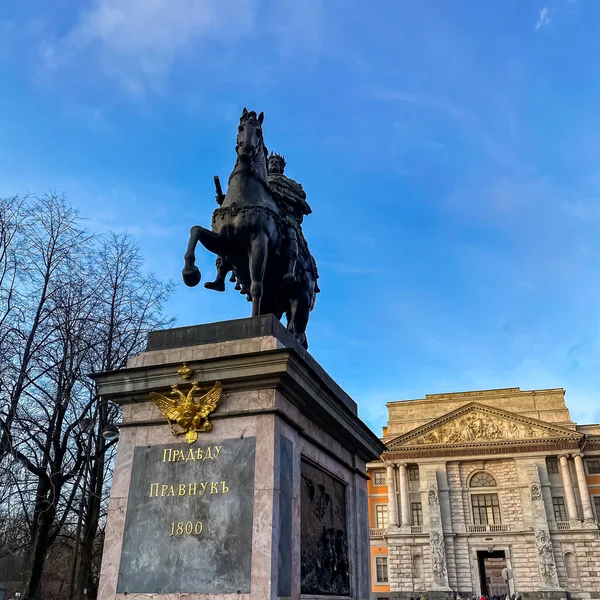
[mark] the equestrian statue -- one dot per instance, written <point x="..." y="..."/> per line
<point x="257" y="234"/>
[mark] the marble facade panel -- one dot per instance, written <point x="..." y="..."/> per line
<point x="203" y="352"/>
<point x="111" y="556"/>
<point x="230" y="402"/>
<point x="263" y="530"/>
<point x="128" y="440"/>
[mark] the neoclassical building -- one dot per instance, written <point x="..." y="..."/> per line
<point x="490" y="492"/>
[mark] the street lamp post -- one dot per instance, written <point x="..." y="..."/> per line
<point x="85" y="429"/>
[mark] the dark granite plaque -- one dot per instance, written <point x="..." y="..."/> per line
<point x="188" y="527"/>
<point x="323" y="534"/>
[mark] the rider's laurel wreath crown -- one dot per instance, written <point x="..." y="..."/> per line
<point x="277" y="157"/>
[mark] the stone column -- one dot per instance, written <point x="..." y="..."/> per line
<point x="569" y="493"/>
<point x="437" y="544"/>
<point x="588" y="513"/>
<point x="543" y="542"/>
<point x="404" y="504"/>
<point x="392" y="504"/>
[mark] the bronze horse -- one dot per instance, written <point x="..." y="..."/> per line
<point x="248" y="232"/>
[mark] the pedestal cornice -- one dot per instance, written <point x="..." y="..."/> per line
<point x="289" y="370"/>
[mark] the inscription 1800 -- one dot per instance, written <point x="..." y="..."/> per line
<point x="188" y="527"/>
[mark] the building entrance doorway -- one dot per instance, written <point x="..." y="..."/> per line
<point x="490" y="573"/>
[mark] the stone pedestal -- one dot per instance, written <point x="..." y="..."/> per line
<point x="271" y="503"/>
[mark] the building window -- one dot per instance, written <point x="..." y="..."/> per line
<point x="381" y="516"/>
<point x="486" y="509"/>
<point x="417" y="567"/>
<point x="417" y="513"/>
<point x="482" y="479"/>
<point x="413" y="473"/>
<point x="597" y="507"/>
<point x="379" y="478"/>
<point x="560" y="512"/>
<point x="381" y="572"/>
<point x="552" y="466"/>
<point x="570" y="565"/>
<point x="593" y="467"/>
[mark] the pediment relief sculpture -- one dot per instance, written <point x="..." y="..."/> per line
<point x="479" y="424"/>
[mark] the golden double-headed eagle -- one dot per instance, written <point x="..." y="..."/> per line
<point x="189" y="413"/>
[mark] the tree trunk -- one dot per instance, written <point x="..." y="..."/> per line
<point x="45" y="512"/>
<point x="94" y="502"/>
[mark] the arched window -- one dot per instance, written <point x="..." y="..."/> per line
<point x="417" y="566"/>
<point x="570" y="565"/>
<point x="482" y="479"/>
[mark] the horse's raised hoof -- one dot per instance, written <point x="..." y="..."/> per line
<point x="217" y="286"/>
<point x="289" y="278"/>
<point x="191" y="276"/>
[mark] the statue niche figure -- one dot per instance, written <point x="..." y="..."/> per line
<point x="257" y="234"/>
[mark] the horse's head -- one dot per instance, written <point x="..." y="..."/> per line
<point x="249" y="144"/>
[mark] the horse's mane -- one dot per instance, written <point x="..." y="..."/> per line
<point x="266" y="156"/>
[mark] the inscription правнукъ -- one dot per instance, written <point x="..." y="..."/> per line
<point x="188" y="527"/>
<point x="323" y="537"/>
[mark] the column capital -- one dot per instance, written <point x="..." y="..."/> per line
<point x="564" y="455"/>
<point x="577" y="454"/>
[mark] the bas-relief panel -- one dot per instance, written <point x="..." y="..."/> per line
<point x="477" y="426"/>
<point x="323" y="533"/>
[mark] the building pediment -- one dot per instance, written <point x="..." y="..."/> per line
<point x="474" y="424"/>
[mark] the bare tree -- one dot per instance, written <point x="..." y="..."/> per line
<point x="14" y="213"/>
<point x="131" y="305"/>
<point x="48" y="349"/>
<point x="70" y="303"/>
<point x="47" y="236"/>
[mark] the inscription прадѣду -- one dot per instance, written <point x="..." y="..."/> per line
<point x="188" y="527"/>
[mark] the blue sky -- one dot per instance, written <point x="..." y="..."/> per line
<point x="449" y="151"/>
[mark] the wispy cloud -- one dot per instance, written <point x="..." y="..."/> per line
<point x="544" y="18"/>
<point x="425" y="100"/>
<point x="139" y="43"/>
<point x="469" y="123"/>
<point x="352" y="269"/>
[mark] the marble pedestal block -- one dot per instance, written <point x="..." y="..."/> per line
<point x="270" y="504"/>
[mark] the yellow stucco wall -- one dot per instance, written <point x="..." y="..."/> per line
<point x="377" y="494"/>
